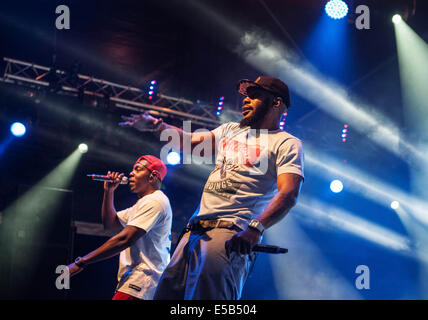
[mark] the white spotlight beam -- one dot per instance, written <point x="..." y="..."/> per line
<point x="368" y="186"/>
<point x="413" y="65"/>
<point x="305" y="272"/>
<point x="35" y="200"/>
<point x="316" y="211"/>
<point x="269" y="56"/>
<point x="305" y="257"/>
<point x="272" y="58"/>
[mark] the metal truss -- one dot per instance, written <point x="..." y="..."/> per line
<point x="121" y="96"/>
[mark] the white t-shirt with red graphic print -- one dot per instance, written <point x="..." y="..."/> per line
<point x="248" y="163"/>
<point x="142" y="264"/>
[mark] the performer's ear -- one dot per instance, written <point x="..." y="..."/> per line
<point x="277" y="102"/>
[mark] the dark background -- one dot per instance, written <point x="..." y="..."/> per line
<point x="194" y="57"/>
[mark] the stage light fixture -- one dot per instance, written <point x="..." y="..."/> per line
<point x="173" y="158"/>
<point x="344" y="133"/>
<point x="18" y="129"/>
<point x="336" y="9"/>
<point x="220" y="105"/>
<point x="282" y="121"/>
<point x="336" y="186"/>
<point x="396" y="18"/>
<point x="395" y="205"/>
<point x="83" y="148"/>
<point x="152" y="90"/>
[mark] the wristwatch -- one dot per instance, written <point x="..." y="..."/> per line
<point x="256" y="224"/>
<point x="78" y="262"/>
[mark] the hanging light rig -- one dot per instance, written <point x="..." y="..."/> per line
<point x="282" y="121"/>
<point x="152" y="89"/>
<point x="344" y="133"/>
<point x="220" y="106"/>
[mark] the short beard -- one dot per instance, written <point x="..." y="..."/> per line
<point x="258" y="115"/>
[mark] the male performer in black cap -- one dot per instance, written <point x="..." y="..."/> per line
<point x="256" y="181"/>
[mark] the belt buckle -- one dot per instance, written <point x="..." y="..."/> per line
<point x="217" y="224"/>
<point x="209" y="224"/>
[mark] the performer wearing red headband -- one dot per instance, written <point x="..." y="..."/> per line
<point x="144" y="231"/>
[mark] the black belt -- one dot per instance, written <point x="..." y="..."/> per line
<point x="204" y="225"/>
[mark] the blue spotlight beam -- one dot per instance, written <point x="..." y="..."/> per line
<point x="5" y="144"/>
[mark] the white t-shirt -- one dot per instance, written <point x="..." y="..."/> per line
<point x="248" y="163"/>
<point x="142" y="264"/>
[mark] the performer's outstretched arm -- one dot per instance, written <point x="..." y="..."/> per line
<point x="146" y="123"/>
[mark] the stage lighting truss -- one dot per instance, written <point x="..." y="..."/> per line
<point x="125" y="97"/>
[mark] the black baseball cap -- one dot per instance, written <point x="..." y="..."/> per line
<point x="270" y="84"/>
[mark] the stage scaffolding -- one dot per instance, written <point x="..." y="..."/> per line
<point x="121" y="96"/>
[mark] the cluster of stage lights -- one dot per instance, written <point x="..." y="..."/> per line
<point x="336" y="186"/>
<point x="282" y="121"/>
<point x="336" y="9"/>
<point x="344" y="132"/>
<point x="152" y="89"/>
<point x="18" y="129"/>
<point x="220" y="106"/>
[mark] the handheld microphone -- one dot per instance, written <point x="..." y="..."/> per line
<point x="100" y="177"/>
<point x="269" y="249"/>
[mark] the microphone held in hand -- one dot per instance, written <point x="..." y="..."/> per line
<point x="268" y="249"/>
<point x="104" y="178"/>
